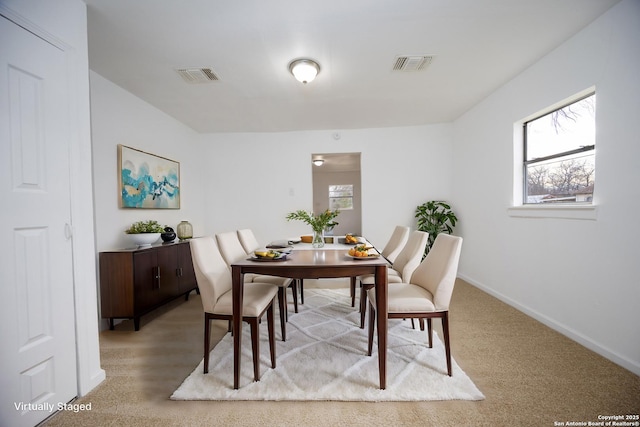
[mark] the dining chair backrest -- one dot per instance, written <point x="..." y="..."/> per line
<point x="248" y="240"/>
<point x="437" y="273"/>
<point x="212" y="274"/>
<point x="396" y="242"/>
<point x="411" y="254"/>
<point x="230" y="247"/>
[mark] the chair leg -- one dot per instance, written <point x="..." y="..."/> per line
<point x="429" y="332"/>
<point x="282" y="304"/>
<point x="372" y="325"/>
<point x="207" y="337"/>
<point x="421" y="320"/>
<point x="363" y="303"/>
<point x="353" y="291"/>
<point x="301" y="291"/>
<point x="255" y="347"/>
<point x="294" y="291"/>
<point x="447" y="347"/>
<point x="413" y="325"/>
<point x="272" y="334"/>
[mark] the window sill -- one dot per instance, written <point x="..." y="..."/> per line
<point x="582" y="212"/>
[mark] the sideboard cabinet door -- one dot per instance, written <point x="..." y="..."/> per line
<point x="186" y="273"/>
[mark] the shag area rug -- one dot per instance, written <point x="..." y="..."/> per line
<point x="324" y="358"/>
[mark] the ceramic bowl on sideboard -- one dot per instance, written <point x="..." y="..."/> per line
<point x="143" y="240"/>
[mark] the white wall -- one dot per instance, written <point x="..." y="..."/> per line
<point x="251" y="177"/>
<point x="118" y="117"/>
<point x="582" y="277"/>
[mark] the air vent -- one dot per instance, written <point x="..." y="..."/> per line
<point x="197" y="75"/>
<point x="412" y="63"/>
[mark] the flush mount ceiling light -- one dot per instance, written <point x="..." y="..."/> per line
<point x="318" y="162"/>
<point x="304" y="70"/>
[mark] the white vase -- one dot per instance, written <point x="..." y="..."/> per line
<point x="144" y="240"/>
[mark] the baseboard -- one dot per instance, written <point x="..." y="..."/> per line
<point x="563" y="329"/>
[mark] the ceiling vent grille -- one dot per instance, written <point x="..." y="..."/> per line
<point x="198" y="75"/>
<point x="412" y="63"/>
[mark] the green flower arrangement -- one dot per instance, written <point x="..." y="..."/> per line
<point x="318" y="223"/>
<point x="145" y="227"/>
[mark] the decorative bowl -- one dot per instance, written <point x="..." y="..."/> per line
<point x="306" y="239"/>
<point x="143" y="240"/>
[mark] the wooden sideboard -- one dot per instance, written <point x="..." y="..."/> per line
<point x="134" y="282"/>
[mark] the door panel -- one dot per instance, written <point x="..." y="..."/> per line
<point x="38" y="357"/>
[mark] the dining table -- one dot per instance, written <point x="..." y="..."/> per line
<point x="332" y="261"/>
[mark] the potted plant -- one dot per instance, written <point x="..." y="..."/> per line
<point x="435" y="217"/>
<point x="319" y="223"/>
<point x="144" y="233"/>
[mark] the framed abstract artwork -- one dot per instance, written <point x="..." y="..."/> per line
<point x="147" y="181"/>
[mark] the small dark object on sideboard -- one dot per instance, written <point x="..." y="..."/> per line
<point x="169" y="235"/>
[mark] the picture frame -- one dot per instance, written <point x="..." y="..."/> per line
<point x="147" y="181"/>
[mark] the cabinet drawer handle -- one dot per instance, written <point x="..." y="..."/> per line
<point x="157" y="277"/>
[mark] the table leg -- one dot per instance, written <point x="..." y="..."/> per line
<point x="237" y="294"/>
<point x="382" y="293"/>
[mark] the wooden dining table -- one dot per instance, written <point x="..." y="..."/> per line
<point x="313" y="264"/>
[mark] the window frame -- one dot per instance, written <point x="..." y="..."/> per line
<point x="558" y="211"/>
<point x="559" y="156"/>
<point x="341" y="197"/>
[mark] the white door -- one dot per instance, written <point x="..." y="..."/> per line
<point x="37" y="325"/>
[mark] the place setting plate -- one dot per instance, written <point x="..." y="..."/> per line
<point x="270" y="255"/>
<point x="370" y="256"/>
<point x="371" y="252"/>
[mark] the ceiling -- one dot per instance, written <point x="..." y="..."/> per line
<point x="476" y="45"/>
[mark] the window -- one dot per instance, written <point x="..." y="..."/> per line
<point x="341" y="197"/>
<point x="559" y="155"/>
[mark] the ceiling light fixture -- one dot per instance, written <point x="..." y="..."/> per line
<point x="318" y="162"/>
<point x="304" y="70"/>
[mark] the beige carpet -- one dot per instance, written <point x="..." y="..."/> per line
<point x="529" y="374"/>
<point x="324" y="358"/>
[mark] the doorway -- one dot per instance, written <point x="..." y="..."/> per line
<point x="337" y="184"/>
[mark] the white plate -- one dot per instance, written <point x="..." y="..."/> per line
<point x="281" y="257"/>
<point x="371" y="256"/>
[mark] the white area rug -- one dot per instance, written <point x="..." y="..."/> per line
<point x="324" y="358"/>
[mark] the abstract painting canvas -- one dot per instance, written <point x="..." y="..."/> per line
<point x="147" y="181"/>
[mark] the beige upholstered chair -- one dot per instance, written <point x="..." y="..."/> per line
<point x="396" y="242"/>
<point x="232" y="250"/>
<point x="403" y="267"/>
<point x="391" y="250"/>
<point x="428" y="293"/>
<point x="250" y="243"/>
<point x="214" y="282"/>
<point x="248" y="240"/>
